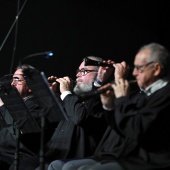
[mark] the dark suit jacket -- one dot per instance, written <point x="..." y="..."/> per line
<point x="139" y="132"/>
<point x="29" y="143"/>
<point x="78" y="136"/>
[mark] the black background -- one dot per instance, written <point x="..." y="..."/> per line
<point x="73" y="29"/>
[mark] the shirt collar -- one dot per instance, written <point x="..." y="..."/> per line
<point x="155" y="86"/>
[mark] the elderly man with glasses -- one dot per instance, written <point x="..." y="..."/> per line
<point x="139" y="135"/>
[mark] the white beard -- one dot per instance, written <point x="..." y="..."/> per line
<point x="78" y="89"/>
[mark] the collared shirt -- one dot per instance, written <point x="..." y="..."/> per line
<point x="154" y="87"/>
<point x="64" y="94"/>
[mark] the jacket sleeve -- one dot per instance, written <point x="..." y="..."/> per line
<point x="135" y="116"/>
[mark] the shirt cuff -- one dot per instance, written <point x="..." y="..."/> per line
<point x="96" y="84"/>
<point x="107" y="108"/>
<point x="64" y="94"/>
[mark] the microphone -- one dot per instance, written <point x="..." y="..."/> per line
<point x="91" y="94"/>
<point x="90" y="62"/>
<point x="46" y="54"/>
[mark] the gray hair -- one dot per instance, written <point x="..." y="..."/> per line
<point x="25" y="66"/>
<point x="160" y="54"/>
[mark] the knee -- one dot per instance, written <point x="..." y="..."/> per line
<point x="86" y="167"/>
<point x="56" y="165"/>
<point x="69" y="166"/>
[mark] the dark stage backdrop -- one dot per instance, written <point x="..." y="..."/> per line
<point x="73" y="29"/>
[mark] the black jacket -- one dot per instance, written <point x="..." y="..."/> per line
<point x="78" y="136"/>
<point x="139" y="132"/>
<point x="29" y="143"/>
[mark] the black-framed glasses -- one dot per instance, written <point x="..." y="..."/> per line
<point x="140" y="68"/>
<point x="16" y="80"/>
<point x="83" y="71"/>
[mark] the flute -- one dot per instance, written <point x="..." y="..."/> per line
<point x="97" y="92"/>
<point x="52" y="81"/>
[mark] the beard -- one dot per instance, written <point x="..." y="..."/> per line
<point x="78" y="89"/>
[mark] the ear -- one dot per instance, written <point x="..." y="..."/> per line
<point x="157" y="69"/>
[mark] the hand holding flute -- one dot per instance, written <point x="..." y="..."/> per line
<point x="54" y="85"/>
<point x="61" y="84"/>
<point x="119" y="88"/>
<point x="104" y="89"/>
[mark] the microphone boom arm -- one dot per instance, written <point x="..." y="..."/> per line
<point x="16" y="19"/>
<point x="46" y="54"/>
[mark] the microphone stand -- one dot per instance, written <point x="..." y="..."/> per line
<point x="41" y="157"/>
<point x="12" y="26"/>
<point x="17" y="155"/>
<point x="15" y="39"/>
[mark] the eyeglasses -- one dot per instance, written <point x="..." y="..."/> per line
<point x="140" y="68"/>
<point x="83" y="71"/>
<point x="17" y="80"/>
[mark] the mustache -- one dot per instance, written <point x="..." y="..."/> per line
<point x="78" y="80"/>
